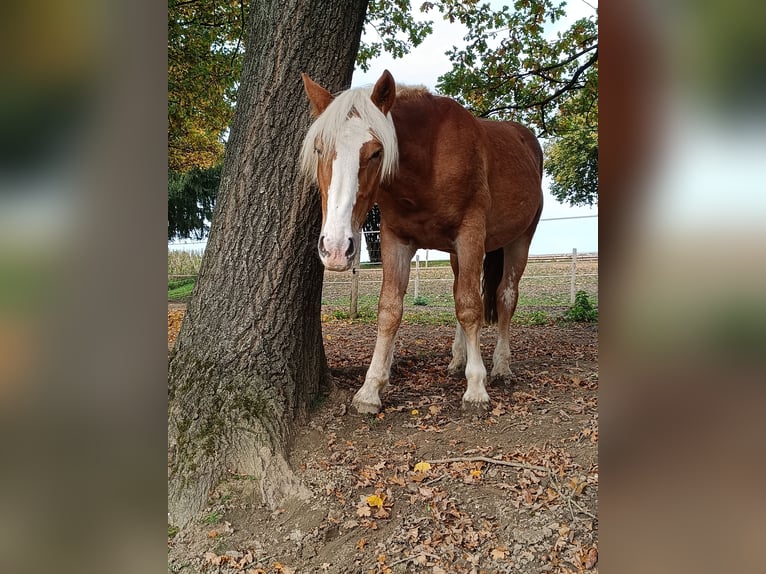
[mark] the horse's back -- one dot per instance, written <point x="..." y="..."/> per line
<point x="511" y="141"/>
<point x="514" y="173"/>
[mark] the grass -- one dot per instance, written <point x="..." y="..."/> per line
<point x="180" y="289"/>
<point x="544" y="291"/>
<point x="212" y="518"/>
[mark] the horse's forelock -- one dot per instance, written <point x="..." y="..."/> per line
<point x="326" y="128"/>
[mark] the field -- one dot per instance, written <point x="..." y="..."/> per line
<point x="544" y="290"/>
<point x="423" y="487"/>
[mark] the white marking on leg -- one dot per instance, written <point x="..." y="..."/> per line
<point x="475" y="374"/>
<point x="457" y="365"/>
<point x="501" y="358"/>
<point x="367" y="398"/>
<point x="396" y="269"/>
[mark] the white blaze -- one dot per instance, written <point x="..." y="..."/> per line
<point x="341" y="194"/>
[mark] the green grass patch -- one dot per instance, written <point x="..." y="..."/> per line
<point x="180" y="289"/>
<point x="212" y="518"/>
<point x="172" y="531"/>
<point x="429" y="317"/>
<point x="531" y="318"/>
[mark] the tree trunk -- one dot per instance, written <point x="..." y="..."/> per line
<point x="249" y="359"/>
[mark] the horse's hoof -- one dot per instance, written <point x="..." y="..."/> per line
<point x="501" y="377"/>
<point x="365" y="408"/>
<point x="457" y="372"/>
<point x="472" y="408"/>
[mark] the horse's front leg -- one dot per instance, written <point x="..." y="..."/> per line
<point x="457" y="364"/>
<point x="396" y="273"/>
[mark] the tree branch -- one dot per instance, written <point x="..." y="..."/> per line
<point x="569" y="85"/>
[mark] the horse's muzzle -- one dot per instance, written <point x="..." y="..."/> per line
<point x="337" y="257"/>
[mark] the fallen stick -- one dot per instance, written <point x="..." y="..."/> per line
<point x="489" y="461"/>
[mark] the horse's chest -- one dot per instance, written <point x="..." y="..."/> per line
<point x="419" y="226"/>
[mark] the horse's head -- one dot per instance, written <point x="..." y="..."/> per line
<point x="348" y="150"/>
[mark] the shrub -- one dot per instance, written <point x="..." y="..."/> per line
<point x="582" y="311"/>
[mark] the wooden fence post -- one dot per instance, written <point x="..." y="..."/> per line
<point x="572" y="280"/>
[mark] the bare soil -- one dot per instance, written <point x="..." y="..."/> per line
<point x="518" y="494"/>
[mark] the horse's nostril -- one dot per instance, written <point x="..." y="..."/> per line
<point x="322" y="250"/>
<point x="350" y="250"/>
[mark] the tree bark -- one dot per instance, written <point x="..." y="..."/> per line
<point x="249" y="359"/>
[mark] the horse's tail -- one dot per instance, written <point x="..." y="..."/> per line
<point x="493" y="274"/>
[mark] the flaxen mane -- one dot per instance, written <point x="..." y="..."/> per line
<point x="327" y="127"/>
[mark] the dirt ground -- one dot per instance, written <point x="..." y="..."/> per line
<point x="422" y="487"/>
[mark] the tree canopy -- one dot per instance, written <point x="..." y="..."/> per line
<point x="205" y="48"/>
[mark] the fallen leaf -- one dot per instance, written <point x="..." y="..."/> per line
<point x="363" y="511"/>
<point x="375" y="500"/>
<point x="414" y="412"/>
<point x="212" y="558"/>
<point x="498" y="553"/>
<point x="422" y="467"/>
<point x="399" y="480"/>
<point x="361" y="543"/>
<point x="475" y="473"/>
<point x="591" y="558"/>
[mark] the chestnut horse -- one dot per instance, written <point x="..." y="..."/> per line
<point x="444" y="180"/>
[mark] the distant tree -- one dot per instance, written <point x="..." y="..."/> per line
<point x="191" y="200"/>
<point x="571" y="157"/>
<point x="205" y="47"/>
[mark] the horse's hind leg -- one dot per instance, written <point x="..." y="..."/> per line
<point x="457" y="365"/>
<point x="514" y="261"/>
<point x="396" y="272"/>
<point x="470" y="313"/>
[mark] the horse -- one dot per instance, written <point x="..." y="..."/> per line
<point x="443" y="179"/>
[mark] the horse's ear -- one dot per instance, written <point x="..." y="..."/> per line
<point x="384" y="92"/>
<point x="318" y="96"/>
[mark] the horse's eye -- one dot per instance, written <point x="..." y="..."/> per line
<point x="376" y="155"/>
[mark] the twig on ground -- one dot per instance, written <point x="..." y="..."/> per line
<point x="489" y="461"/>
<point x="516" y="465"/>
<point x="408" y="558"/>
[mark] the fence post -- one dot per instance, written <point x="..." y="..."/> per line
<point x="353" y="311"/>
<point x="572" y="280"/>
<point x="417" y="275"/>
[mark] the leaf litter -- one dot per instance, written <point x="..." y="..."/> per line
<point x="424" y="488"/>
